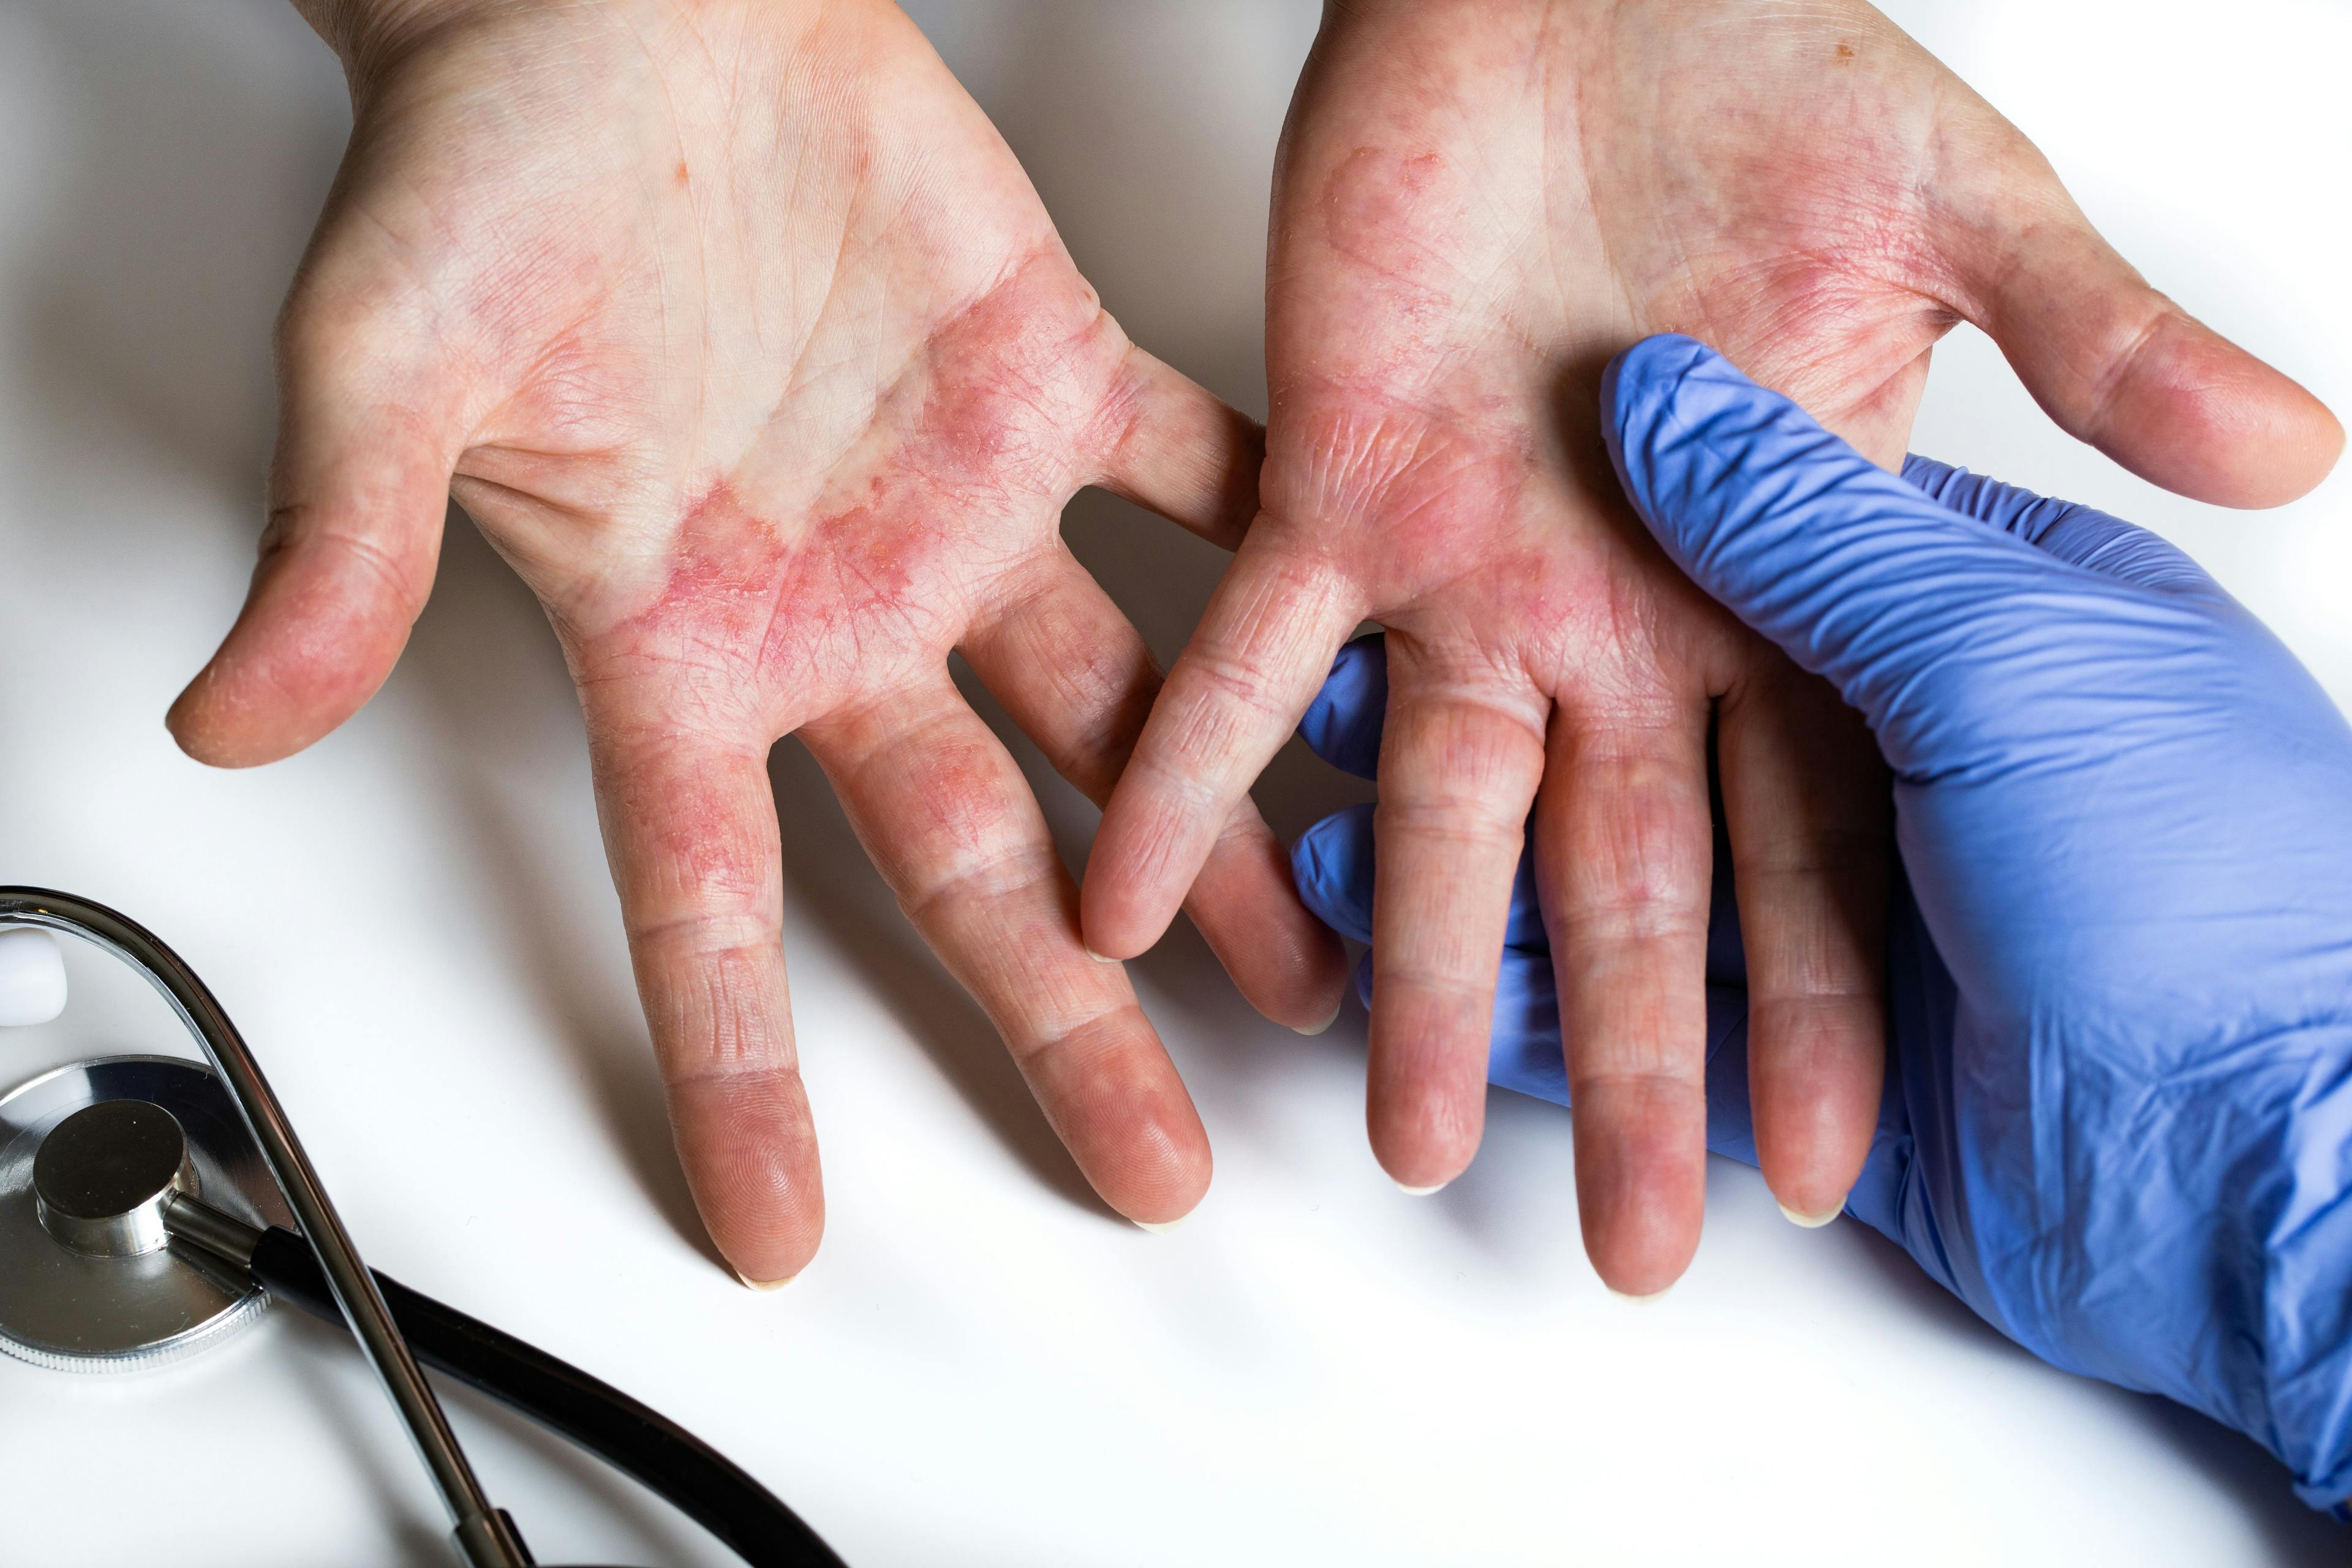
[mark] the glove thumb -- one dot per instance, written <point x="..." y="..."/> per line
<point x="1964" y="646"/>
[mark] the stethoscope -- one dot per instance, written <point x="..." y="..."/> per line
<point x="149" y="1208"/>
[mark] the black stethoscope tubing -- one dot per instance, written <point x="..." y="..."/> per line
<point x="320" y="1270"/>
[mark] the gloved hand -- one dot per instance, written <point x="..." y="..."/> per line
<point x="2117" y="1119"/>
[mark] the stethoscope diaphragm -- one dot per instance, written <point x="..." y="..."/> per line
<point x="74" y="1307"/>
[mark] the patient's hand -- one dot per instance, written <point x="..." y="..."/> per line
<point x="750" y="347"/>
<point x="1479" y="202"/>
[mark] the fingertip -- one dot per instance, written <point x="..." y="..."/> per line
<point x="1641" y="1248"/>
<point x="1124" y="904"/>
<point x="1310" y="968"/>
<point x="2200" y="415"/>
<point x="1425" y="1132"/>
<point x="1419" y="1172"/>
<point x="1641" y="1201"/>
<point x="318" y="636"/>
<point x="1122" y="1109"/>
<point x="226" y="717"/>
<point x="1332" y="868"/>
<point x="1811" y="1148"/>
<point x="209" y="729"/>
<point x="1638" y="384"/>
<point x="1659" y="360"/>
<point x="1288" y="964"/>
<point x="750" y="1152"/>
<point x="1160" y="1172"/>
<point x="1166" y="1209"/>
<point x="1108" y="924"/>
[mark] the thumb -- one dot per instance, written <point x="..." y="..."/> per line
<point x="2118" y="364"/>
<point x="1962" y="646"/>
<point x="357" y="494"/>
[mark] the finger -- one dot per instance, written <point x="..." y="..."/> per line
<point x="1459" y="765"/>
<point x="1075" y="676"/>
<point x="950" y="824"/>
<point x="2116" y="363"/>
<point x="690" y="828"/>
<point x="1181" y="451"/>
<point x="1807" y="805"/>
<point x="1623" y="854"/>
<point x="1254" y="663"/>
<point x="369" y="430"/>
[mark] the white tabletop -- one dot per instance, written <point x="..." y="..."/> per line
<point x="413" y="924"/>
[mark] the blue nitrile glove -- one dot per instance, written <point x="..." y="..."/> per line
<point x="2118" y="1111"/>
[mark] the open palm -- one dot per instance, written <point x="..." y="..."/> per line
<point x="744" y="339"/>
<point x="1477" y="203"/>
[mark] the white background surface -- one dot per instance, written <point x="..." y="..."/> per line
<point x="413" y="925"/>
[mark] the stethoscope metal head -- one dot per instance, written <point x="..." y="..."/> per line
<point x="31" y="980"/>
<point x="101" y="1177"/>
<point x="147" y="1205"/>
<point x="89" y="1154"/>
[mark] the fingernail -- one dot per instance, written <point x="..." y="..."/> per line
<point x="1331" y="1019"/>
<point x="1098" y="958"/>
<point x="1417" y="1192"/>
<point x="1157" y="1226"/>
<point x="1810" y="1221"/>
<point x="1633" y="1300"/>
<point x="765" y="1286"/>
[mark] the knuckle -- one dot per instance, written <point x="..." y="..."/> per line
<point x="983" y="877"/>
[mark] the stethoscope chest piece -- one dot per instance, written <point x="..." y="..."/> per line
<point x="88" y="1155"/>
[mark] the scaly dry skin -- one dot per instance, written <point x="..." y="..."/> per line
<point x="748" y="344"/>
<point x="1478" y="203"/>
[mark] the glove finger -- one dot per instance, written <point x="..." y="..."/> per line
<point x="1332" y="865"/>
<point x="2079" y="536"/>
<point x="1526" y="1054"/>
<point x="1344" y="724"/>
<point x="1913" y="615"/>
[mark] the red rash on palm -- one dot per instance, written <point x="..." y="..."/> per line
<point x="947" y="493"/>
<point x="744" y="339"/>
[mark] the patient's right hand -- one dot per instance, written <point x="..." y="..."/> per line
<point x="746" y="341"/>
